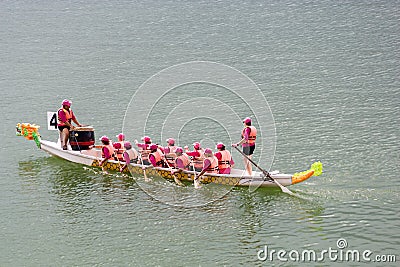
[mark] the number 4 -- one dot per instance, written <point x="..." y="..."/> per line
<point x="52" y="121"/>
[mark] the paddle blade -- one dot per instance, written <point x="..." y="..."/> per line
<point x="283" y="188"/>
<point x="197" y="184"/>
<point x="145" y="176"/>
<point x="177" y="181"/>
<point x="286" y="190"/>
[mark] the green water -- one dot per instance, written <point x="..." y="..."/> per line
<point x="329" y="71"/>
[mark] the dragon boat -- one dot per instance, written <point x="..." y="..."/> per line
<point x="90" y="155"/>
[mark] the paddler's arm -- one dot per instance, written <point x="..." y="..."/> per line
<point x="232" y="163"/>
<point x="152" y="160"/>
<point x="240" y="142"/>
<point x="193" y="153"/>
<point x="207" y="163"/>
<point x="141" y="145"/>
<point x="245" y="137"/>
<point x="179" y="165"/>
<point x="107" y="155"/>
<point x="75" y="120"/>
<point x="127" y="161"/>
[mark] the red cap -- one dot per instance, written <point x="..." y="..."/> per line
<point x="220" y="146"/>
<point x="247" y="120"/>
<point x="196" y="145"/>
<point x="208" y="151"/>
<point x="66" y="102"/>
<point x="146" y="139"/>
<point x="153" y="147"/>
<point x="171" y="141"/>
<point x="127" y="145"/>
<point x="178" y="150"/>
<point x="104" y="138"/>
<point x="121" y="137"/>
<point x="117" y="145"/>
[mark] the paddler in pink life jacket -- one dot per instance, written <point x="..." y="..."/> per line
<point x="107" y="150"/>
<point x="144" y="149"/>
<point x="65" y="119"/>
<point x="119" y="146"/>
<point x="169" y="152"/>
<point x="210" y="163"/>
<point x="156" y="156"/>
<point x="182" y="161"/>
<point x="225" y="161"/>
<point x="170" y="148"/>
<point x="248" y="142"/>
<point x="130" y="155"/>
<point x="197" y="154"/>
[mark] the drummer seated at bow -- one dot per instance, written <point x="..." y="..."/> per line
<point x="156" y="156"/>
<point x="144" y="149"/>
<point x="65" y="119"/>
<point x="182" y="161"/>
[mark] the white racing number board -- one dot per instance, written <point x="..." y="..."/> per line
<point x="52" y="121"/>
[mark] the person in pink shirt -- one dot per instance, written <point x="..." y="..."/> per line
<point x="197" y="154"/>
<point x="144" y="149"/>
<point x="225" y="161"/>
<point x="146" y="143"/>
<point x="182" y="161"/>
<point x="65" y="119"/>
<point x="169" y="152"/>
<point x="119" y="146"/>
<point x="156" y="157"/>
<point x="130" y="155"/>
<point x="107" y="150"/>
<point x="210" y="163"/>
<point x="248" y="142"/>
<point x="170" y="148"/>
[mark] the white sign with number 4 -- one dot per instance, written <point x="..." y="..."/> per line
<point x="52" y="121"/>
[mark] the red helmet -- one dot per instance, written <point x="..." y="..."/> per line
<point x="104" y="138"/>
<point x="121" y="137"/>
<point x="66" y="102"/>
<point x="220" y="146"/>
<point x="146" y="139"/>
<point x="196" y="145"/>
<point x="178" y="150"/>
<point x="171" y="141"/>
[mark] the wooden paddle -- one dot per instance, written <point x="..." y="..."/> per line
<point x="177" y="181"/>
<point x="143" y="167"/>
<point x="266" y="173"/>
<point x="196" y="181"/>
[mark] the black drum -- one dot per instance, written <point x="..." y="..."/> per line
<point x="81" y="138"/>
